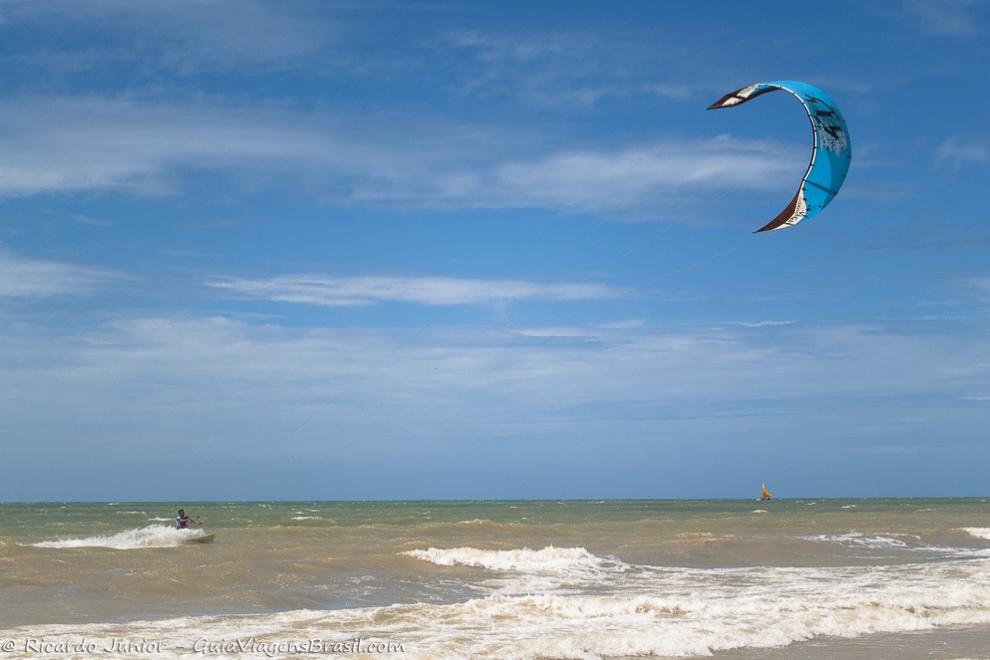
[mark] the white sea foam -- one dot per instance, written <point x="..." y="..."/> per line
<point x="848" y="506"/>
<point x="661" y="612"/>
<point x="547" y="560"/>
<point x="306" y="518"/>
<point x="978" y="532"/>
<point x="758" y="511"/>
<point x="861" y="540"/>
<point x="152" y="536"/>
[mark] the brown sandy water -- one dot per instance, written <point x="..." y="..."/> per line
<point x="499" y="579"/>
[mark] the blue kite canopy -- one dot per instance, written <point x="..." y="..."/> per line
<point x="831" y="151"/>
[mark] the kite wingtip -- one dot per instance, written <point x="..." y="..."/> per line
<point x="773" y="225"/>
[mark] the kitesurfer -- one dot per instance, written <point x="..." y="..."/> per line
<point x="182" y="521"/>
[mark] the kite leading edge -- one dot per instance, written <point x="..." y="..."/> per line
<point x="831" y="151"/>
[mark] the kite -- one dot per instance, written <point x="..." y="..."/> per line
<point x="831" y="150"/>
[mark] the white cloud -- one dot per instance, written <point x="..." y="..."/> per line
<point x="136" y="393"/>
<point x="958" y="152"/>
<point x="763" y="324"/>
<point x="171" y="375"/>
<point x="982" y="285"/>
<point x="568" y="69"/>
<point x="76" y="144"/>
<point x="181" y="35"/>
<point x="515" y="48"/>
<point x="624" y="179"/>
<point x="352" y="291"/>
<point x="949" y="18"/>
<point x="82" y="219"/>
<point x="32" y="278"/>
<point x="557" y="331"/>
<point x="67" y="144"/>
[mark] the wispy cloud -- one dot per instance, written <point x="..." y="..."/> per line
<point x="561" y="68"/>
<point x="190" y="374"/>
<point x="33" y="278"/>
<point x="353" y="291"/>
<point x="514" y="48"/>
<point x="67" y="144"/>
<point x="626" y="178"/>
<point x="982" y="284"/>
<point x="183" y="36"/>
<point x="81" y="219"/>
<point x="950" y="18"/>
<point x="957" y="152"/>
<point x="763" y="324"/>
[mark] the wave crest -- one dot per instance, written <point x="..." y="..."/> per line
<point x="978" y="532"/>
<point x="855" y="539"/>
<point x="152" y="536"/>
<point x="685" y="612"/>
<point x="548" y="560"/>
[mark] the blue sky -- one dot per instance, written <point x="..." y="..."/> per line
<point x="413" y="250"/>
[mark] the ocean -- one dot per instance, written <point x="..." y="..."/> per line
<point x="498" y="579"/>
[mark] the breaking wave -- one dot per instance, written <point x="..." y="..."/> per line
<point x="855" y="539"/>
<point x="660" y="612"/>
<point x="978" y="532"/>
<point x="547" y="560"/>
<point x="152" y="536"/>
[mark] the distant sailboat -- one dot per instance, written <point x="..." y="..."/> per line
<point x="764" y="493"/>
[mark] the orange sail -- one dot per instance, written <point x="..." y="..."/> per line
<point x="764" y="493"/>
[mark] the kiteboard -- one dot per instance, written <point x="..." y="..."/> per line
<point x="206" y="538"/>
